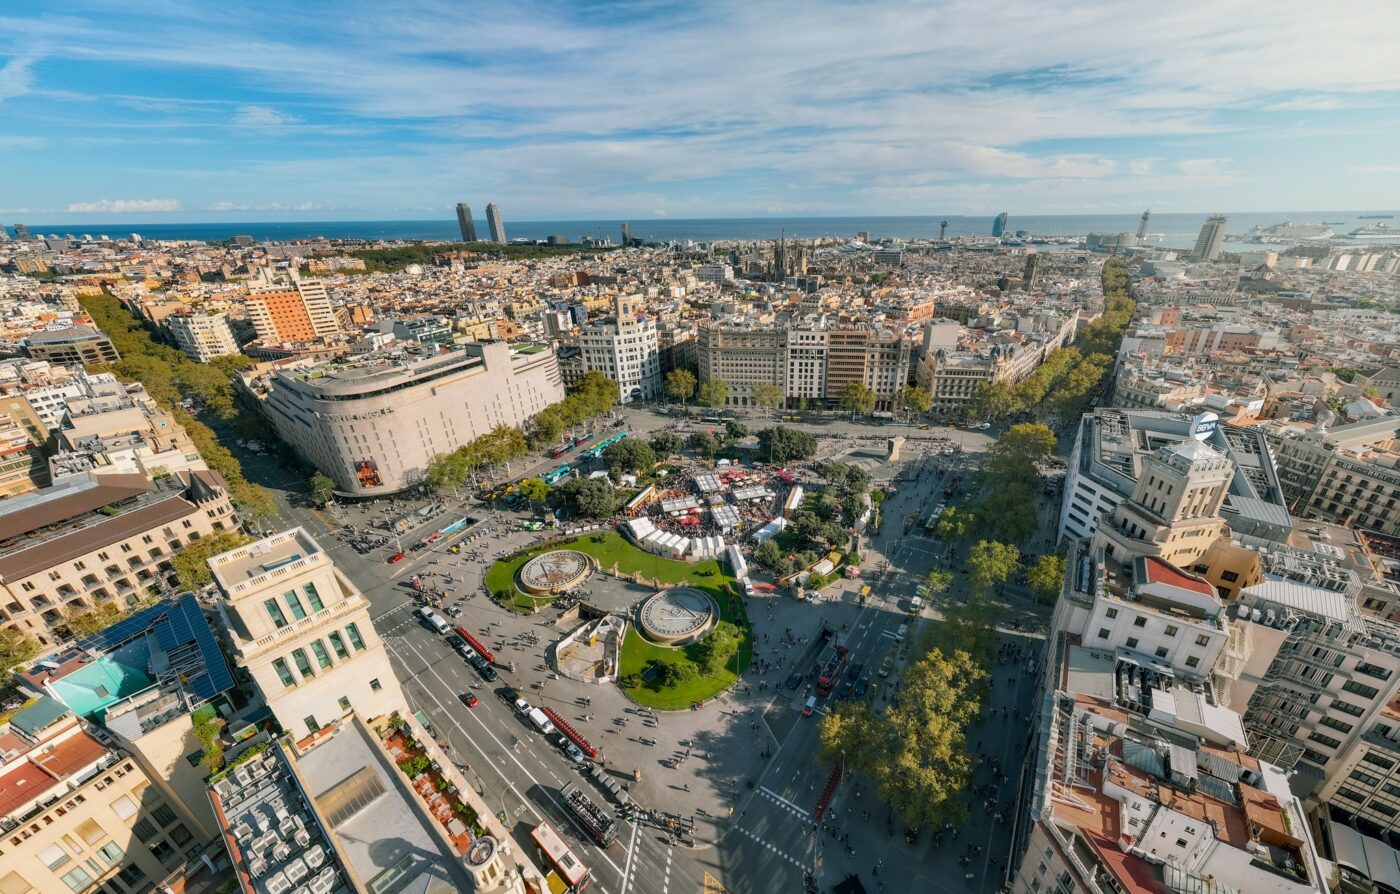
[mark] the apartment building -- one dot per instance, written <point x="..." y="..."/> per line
<point x="79" y="813"/>
<point x="743" y="356"/>
<point x="624" y="348"/>
<point x="76" y="345"/>
<point x="93" y="537"/>
<point x="290" y="309"/>
<point x="1348" y="474"/>
<point x="373" y="423"/>
<point x="303" y="632"/>
<point x="202" y="336"/>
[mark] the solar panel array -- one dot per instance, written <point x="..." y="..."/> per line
<point x="175" y="623"/>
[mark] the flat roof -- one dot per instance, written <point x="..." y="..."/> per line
<point x="253" y="560"/>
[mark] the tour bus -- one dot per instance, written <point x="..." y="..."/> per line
<point x="565" y="866"/>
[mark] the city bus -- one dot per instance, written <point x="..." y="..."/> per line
<point x="565" y="867"/>
<point x="556" y="475"/>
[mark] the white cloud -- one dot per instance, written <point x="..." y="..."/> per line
<point x="18" y="142"/>
<point x="15" y="78"/>
<point x="262" y="117"/>
<point x="1393" y="168"/>
<point x="125" y="206"/>
<point x="228" y="206"/>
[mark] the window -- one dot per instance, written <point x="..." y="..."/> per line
<point x="1139" y="621"/>
<point x="284" y="672"/>
<point x="1193" y="661"/>
<point x="275" y="613"/>
<point x="1111" y="613"/>
<point x="1350" y="794"/>
<point x="344" y="703"/>
<point x="1202" y="640"/>
<point x="131" y="875"/>
<point x="180" y="835"/>
<point x="1229" y="576"/>
<point x="1392" y="790"/>
<point x="1360" y="689"/>
<point x="1346" y="707"/>
<point x="374" y="685"/>
<point x="1181" y="842"/>
<point x="311" y="725"/>
<point x="1334" y="723"/>
<point x="302" y="662"/>
<point x="1161" y="652"/>
<point x="312" y="597"/>
<point x="163" y="815"/>
<point x="319" y="651"/>
<point x="90" y="832"/>
<point x="77" y="878"/>
<point x="1325" y="740"/>
<point x="54" y="856"/>
<point x="338" y="645"/>
<point x="163" y="852"/>
<point x="111" y="853"/>
<point x="1171" y="630"/>
<point x="1373" y="670"/>
<point x="1382" y="809"/>
<point x="294" y="604"/>
<point x="354" y="633"/>
<point x="1103" y="633"/>
<point x="1365" y="778"/>
<point x="1384" y="763"/>
<point x="1132" y="642"/>
<point x="124" y="808"/>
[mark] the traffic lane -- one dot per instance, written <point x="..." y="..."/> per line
<point x="541" y="763"/>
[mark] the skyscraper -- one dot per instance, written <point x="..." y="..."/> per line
<point x="942" y="230"/>
<point x="465" y="222"/>
<point x="626" y="235"/>
<point x="1032" y="270"/>
<point x="495" y="224"/>
<point x="999" y="224"/>
<point x="21" y="231"/>
<point x="1208" y="242"/>
<point x="1142" y="227"/>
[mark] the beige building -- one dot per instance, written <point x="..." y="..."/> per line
<point x="374" y="424"/>
<point x="303" y="632"/>
<point x="202" y="336"/>
<point x="81" y="815"/>
<point x="94" y="538"/>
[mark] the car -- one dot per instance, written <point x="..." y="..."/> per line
<point x="853" y="672"/>
<point x="455" y="611"/>
<point x="571" y="751"/>
<point x="457" y="643"/>
<point x="861" y="686"/>
<point x="483" y="667"/>
<point x="522" y="707"/>
<point x="793" y="681"/>
<point x="984" y="426"/>
<point x="469" y="699"/>
<point x="811" y="706"/>
<point x="396" y="558"/>
<point x="887" y="665"/>
<point x="902" y="632"/>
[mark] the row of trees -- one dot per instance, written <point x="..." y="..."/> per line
<point x="380" y="260"/>
<point x="170" y="377"/>
<point x="591" y="396"/>
<point x="855" y="397"/>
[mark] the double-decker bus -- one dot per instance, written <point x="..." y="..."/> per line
<point x="564" y="866"/>
<point x="831" y="666"/>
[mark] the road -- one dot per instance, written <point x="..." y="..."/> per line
<point x="748" y="775"/>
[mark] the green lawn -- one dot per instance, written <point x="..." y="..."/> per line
<point x="611" y="549"/>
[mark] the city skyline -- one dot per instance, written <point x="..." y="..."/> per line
<point x="234" y="113"/>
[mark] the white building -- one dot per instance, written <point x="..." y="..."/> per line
<point x="303" y="632"/>
<point x="202" y="336"/>
<point x="624" y="348"/>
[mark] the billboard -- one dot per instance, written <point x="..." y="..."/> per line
<point x="1204" y="425"/>
<point x="367" y="471"/>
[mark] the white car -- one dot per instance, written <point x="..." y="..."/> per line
<point x="902" y="632"/>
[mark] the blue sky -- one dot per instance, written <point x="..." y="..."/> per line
<point x="173" y="110"/>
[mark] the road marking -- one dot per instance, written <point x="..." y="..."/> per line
<point x="764" y="790"/>
<point x="761" y="843"/>
<point x="631" y="849"/>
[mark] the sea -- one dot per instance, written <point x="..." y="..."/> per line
<point x="1166" y="230"/>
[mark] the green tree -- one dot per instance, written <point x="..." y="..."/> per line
<point x="785" y="445"/>
<point x="855" y="736"/>
<point x="192" y="563"/>
<point x="534" y="490"/>
<point x="449" y="471"/>
<point x="587" y="497"/>
<point x="1046" y="577"/>
<point x="94" y="620"/>
<point x="993" y="401"/>
<point x="629" y="455"/>
<point x="719" y="647"/>
<point x="835" y="472"/>
<point x="546" y="428"/>
<point x="1016" y="454"/>
<point x="16" y="647"/>
<point x="208" y="730"/>
<point x="937" y="581"/>
<point x="666" y="444"/>
<point x="1007" y="513"/>
<point x="734" y="430"/>
<point x="954" y="525"/>
<point x="704" y="444"/>
<point x="253" y="500"/>
<point x="322" y="488"/>
<point x="914" y="399"/>
<point x="680" y="384"/>
<point x="857" y="397"/>
<point x="768" y="554"/>
<point x="714" y="393"/>
<point x="991" y="563"/>
<point x="768" y="395"/>
<point x="857" y="479"/>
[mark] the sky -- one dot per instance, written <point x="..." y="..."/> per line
<point x="188" y="110"/>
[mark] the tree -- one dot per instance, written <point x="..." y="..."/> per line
<point x="857" y="397"/>
<point x="534" y="490"/>
<point x="784" y="445"/>
<point x="207" y="730"/>
<point x="768" y="395"/>
<point x="835" y="471"/>
<point x="587" y="497"/>
<point x="718" y="647"/>
<point x="735" y="430"/>
<point x="680" y="384"/>
<point x="546" y="428"/>
<point x="991" y="563"/>
<point x="1018" y="452"/>
<point x="954" y="524"/>
<point x="666" y="444"/>
<point x="938" y="582"/>
<point x="704" y="444"/>
<point x="914" y="399"/>
<point x="448" y="471"/>
<point x="95" y="620"/>
<point x="192" y="563"/>
<point x="1007" y="513"/>
<point x="995" y="400"/>
<point x="968" y="627"/>
<point x="855" y="736"/>
<point x="629" y="455"/>
<point x="322" y="488"/>
<point x="768" y="554"/>
<point x="857" y="479"/>
<point x="714" y="393"/>
<point x="16" y="647"/>
<point x="1046" y="577"/>
<point x="253" y="500"/>
<point x="824" y="505"/>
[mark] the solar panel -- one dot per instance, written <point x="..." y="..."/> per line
<point x="175" y="624"/>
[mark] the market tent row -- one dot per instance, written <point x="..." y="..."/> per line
<point x="663" y="543"/>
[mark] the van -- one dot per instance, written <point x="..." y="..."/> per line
<point x="916" y="605"/>
<point x="434" y="620"/>
<point x="901" y="633"/>
<point x="810" y="706"/>
<point x="539" y="721"/>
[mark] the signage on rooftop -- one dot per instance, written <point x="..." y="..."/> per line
<point x="1203" y="426"/>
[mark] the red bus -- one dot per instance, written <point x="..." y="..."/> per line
<point x="831" y="668"/>
<point x="562" y="862"/>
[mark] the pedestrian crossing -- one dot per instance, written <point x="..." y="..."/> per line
<point x="770" y="847"/>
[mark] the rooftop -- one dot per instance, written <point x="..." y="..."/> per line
<point x="247" y="567"/>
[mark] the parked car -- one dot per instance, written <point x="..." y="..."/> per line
<point x="469" y="699"/>
<point x="861" y="686"/>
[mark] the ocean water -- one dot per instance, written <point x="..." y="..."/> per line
<point x="1167" y="230"/>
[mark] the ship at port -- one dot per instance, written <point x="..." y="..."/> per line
<point x="1289" y="232"/>
<point x="1375" y="231"/>
<point x="1374" y="216"/>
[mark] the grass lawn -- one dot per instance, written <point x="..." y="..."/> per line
<point x="637" y="653"/>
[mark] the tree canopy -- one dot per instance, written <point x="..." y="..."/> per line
<point x="629" y="455"/>
<point x="322" y="488"/>
<point x="680" y="384"/>
<point x="666" y="444"/>
<point x="991" y="563"/>
<point x="1046" y="577"/>
<point x="769" y="395"/>
<point x="784" y="445"/>
<point x="192" y="563"/>
<point x="857" y="397"/>
<point x="714" y="393"/>
<point x="587" y="497"/>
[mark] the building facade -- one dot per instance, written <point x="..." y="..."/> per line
<point x="496" y="223"/>
<point x="202" y="336"/>
<point x="624" y="348"/>
<point x="303" y="632"/>
<point x="77" y="345"/>
<point x="465" y="224"/>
